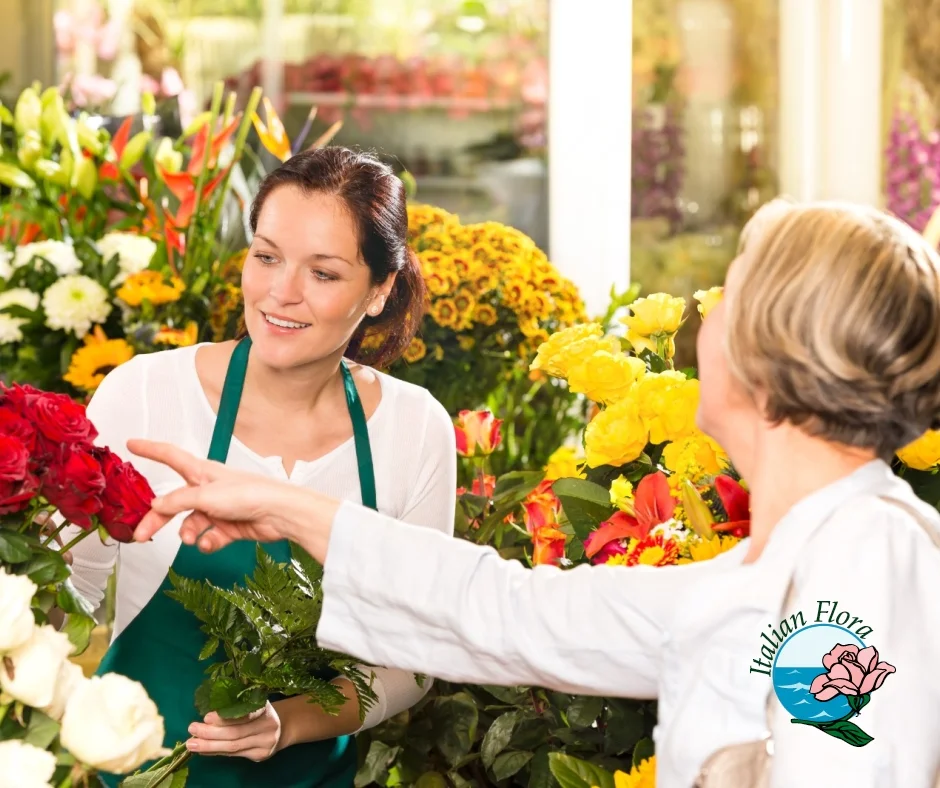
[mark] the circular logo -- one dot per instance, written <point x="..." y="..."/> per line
<point x="799" y="661"/>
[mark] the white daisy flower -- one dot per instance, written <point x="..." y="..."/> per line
<point x="10" y="329"/>
<point x="20" y="296"/>
<point x="75" y="302"/>
<point x="671" y="529"/>
<point x="58" y="254"/>
<point x="134" y="253"/>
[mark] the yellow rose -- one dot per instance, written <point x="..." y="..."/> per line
<point x="621" y="494"/>
<point x="653" y="323"/>
<point x="694" y="457"/>
<point x="667" y="404"/>
<point x="924" y="453"/>
<point x="616" y="435"/>
<point x="549" y="352"/>
<point x="564" y="464"/>
<point x="606" y="377"/>
<point x="708" y="299"/>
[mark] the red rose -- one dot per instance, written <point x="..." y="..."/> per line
<point x="74" y="485"/>
<point x="11" y="423"/>
<point x="20" y="397"/>
<point x="59" y="420"/>
<point x="14" y="459"/>
<point x="126" y="497"/>
<point x="16" y="495"/>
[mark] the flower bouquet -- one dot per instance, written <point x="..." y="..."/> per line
<point x="56" y="726"/>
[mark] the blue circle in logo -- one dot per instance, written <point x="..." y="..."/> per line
<point x="800" y="660"/>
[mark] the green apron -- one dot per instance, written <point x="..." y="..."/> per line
<point x="161" y="645"/>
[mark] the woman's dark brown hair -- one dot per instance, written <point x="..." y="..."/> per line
<point x="375" y="197"/>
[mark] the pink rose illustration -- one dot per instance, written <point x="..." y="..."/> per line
<point x="851" y="672"/>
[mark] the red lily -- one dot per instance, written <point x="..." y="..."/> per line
<point x="183" y="186"/>
<point x="653" y="505"/>
<point x="109" y="169"/>
<point x="737" y="505"/>
<point x="218" y="142"/>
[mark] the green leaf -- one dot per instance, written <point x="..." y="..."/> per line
<point x="79" y="627"/>
<point x="847" y="731"/>
<point x="498" y="736"/>
<point x="212" y="645"/>
<point x="509" y="763"/>
<point x="14" y="548"/>
<point x="511" y="695"/>
<point x="643" y="750"/>
<point x="456" y="719"/>
<point x="584" y="711"/>
<point x="47" y="568"/>
<point x="575" y="773"/>
<point x="41" y="731"/>
<point x="626" y="725"/>
<point x="375" y="767"/>
<point x="540" y="774"/>
<point x="431" y="780"/>
<point x="585" y="504"/>
<point x="517" y="484"/>
<point x="68" y="600"/>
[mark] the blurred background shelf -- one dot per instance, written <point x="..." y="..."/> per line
<point x="410" y="103"/>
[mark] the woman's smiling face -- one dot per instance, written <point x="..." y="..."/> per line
<point x="305" y="284"/>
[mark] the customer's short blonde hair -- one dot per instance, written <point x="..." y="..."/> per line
<point x="835" y="324"/>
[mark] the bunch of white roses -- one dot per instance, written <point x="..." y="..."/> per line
<point x="107" y="723"/>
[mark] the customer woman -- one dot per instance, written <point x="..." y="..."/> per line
<point x="289" y="401"/>
<point x="822" y="360"/>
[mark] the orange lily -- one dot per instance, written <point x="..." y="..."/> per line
<point x="219" y="141"/>
<point x="273" y="135"/>
<point x="737" y="505"/>
<point x="477" y="433"/>
<point x="183" y="186"/>
<point x="653" y="505"/>
<point x="109" y="169"/>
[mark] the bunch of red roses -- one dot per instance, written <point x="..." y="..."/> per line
<point x="46" y="452"/>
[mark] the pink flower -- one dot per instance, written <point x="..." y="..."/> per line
<point x="851" y="672"/>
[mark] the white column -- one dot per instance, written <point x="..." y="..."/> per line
<point x="589" y="132"/>
<point x="272" y="67"/>
<point x="801" y="82"/>
<point x="852" y="146"/>
<point x="830" y="99"/>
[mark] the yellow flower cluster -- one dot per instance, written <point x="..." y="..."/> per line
<point x="564" y="464"/>
<point x="489" y="281"/>
<point x="150" y="286"/>
<point x="653" y="322"/>
<point x="924" y="453"/>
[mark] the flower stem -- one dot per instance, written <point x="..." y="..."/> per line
<point x="55" y="533"/>
<point x="76" y="540"/>
<point x="3" y="711"/>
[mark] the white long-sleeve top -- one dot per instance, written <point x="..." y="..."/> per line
<point x="159" y="396"/>
<point x="686" y="635"/>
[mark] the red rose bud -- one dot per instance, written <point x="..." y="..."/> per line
<point x="126" y="497"/>
<point x="74" y="485"/>
<point x="14" y="459"/>
<point x="16" y="495"/>
<point x="477" y="433"/>
<point x="11" y="423"/>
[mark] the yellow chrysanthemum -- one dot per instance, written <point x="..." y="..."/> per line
<point x="616" y="435"/>
<point x="564" y="464"/>
<point x="516" y="291"/>
<point x="708" y="299"/>
<point x="668" y="403"/>
<point x="466" y="342"/>
<point x="642" y="776"/>
<point x="606" y="377"/>
<point x="149" y="286"/>
<point x="924" y="453"/>
<point x="178" y="337"/>
<point x="694" y="457"/>
<point x="444" y="312"/>
<point x="373" y="340"/>
<point x="415" y="351"/>
<point x="99" y="355"/>
<point x="485" y="315"/>
<point x="440" y="283"/>
<point x="438" y="353"/>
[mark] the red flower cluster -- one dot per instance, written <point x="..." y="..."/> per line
<point x="46" y="450"/>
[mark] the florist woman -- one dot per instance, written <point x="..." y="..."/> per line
<point x="328" y="258"/>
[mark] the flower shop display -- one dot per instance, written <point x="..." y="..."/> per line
<point x="57" y="727"/>
<point x="648" y="489"/>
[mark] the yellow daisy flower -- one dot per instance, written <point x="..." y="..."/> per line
<point x="99" y="355"/>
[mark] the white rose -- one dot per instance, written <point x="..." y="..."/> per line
<point x="24" y="766"/>
<point x="134" y="253"/>
<point x="69" y="678"/>
<point x="29" y="672"/>
<point x="111" y="724"/>
<point x="16" y="616"/>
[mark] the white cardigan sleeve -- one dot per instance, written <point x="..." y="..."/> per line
<point x="431" y="506"/>
<point x="118" y="411"/>
<point x="405" y="596"/>
<point x="881" y="566"/>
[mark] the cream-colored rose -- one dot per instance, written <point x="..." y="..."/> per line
<point x="68" y="680"/>
<point x="111" y="724"/>
<point x="29" y="672"/>
<point x="16" y="616"/>
<point x="24" y="766"/>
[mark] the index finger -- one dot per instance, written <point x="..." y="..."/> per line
<point x="190" y="467"/>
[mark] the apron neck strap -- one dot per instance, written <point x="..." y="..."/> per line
<point x="228" y="411"/>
